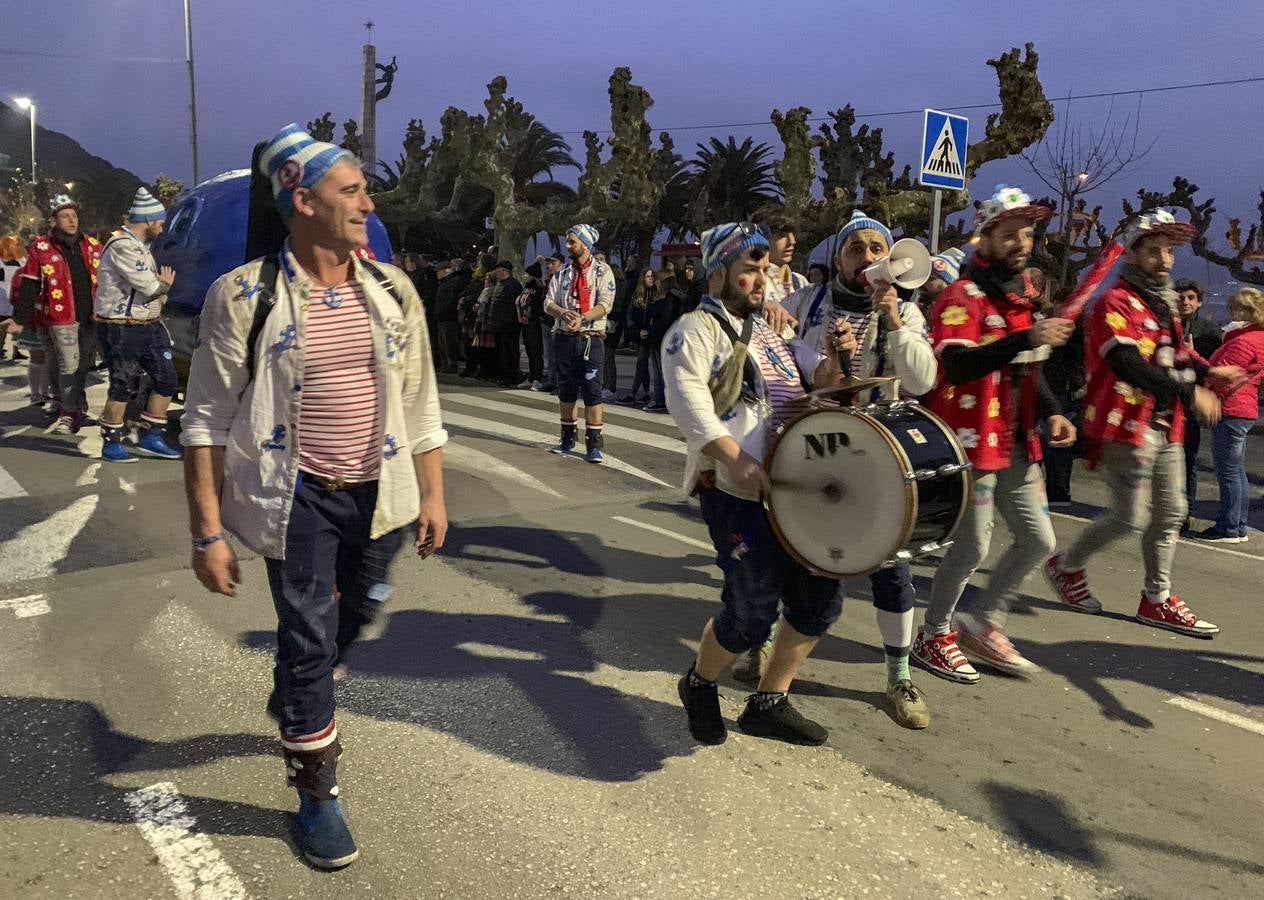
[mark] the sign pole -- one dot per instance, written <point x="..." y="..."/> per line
<point x="935" y="208"/>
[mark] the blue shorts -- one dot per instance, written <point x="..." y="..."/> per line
<point x="759" y="575"/>
<point x="579" y="360"/>
<point x="130" y="350"/>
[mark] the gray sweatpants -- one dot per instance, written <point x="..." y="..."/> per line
<point x="1152" y="475"/>
<point x="1018" y="494"/>
<point x="71" y="352"/>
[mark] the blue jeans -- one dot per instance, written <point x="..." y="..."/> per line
<point x="1228" y="454"/>
<point x="130" y="350"/>
<point x="326" y="545"/>
<point x="759" y="574"/>
<point x="656" y="377"/>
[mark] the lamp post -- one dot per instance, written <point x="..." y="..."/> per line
<point x="28" y="104"/>
<point x="188" y="58"/>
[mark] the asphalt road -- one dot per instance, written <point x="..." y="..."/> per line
<point x="514" y="732"/>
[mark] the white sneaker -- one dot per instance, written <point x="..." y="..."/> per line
<point x="535" y="386"/>
<point x="63" y="425"/>
<point x="525" y="386"/>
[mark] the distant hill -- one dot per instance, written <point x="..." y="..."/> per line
<point x="104" y="190"/>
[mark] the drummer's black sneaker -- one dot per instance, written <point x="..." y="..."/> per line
<point x="701" y="699"/>
<point x="779" y="720"/>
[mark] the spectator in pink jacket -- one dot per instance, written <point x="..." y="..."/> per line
<point x="1244" y="347"/>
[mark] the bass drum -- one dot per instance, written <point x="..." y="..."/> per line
<point x="856" y="490"/>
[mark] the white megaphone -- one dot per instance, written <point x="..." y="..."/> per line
<point x="906" y="266"/>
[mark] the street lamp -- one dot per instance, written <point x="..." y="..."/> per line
<point x="28" y="104"/>
<point x="188" y="58"/>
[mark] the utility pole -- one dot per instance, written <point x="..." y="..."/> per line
<point x="188" y="58"/>
<point x="368" y="105"/>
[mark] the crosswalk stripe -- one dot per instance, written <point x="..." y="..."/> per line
<point x="623" y="433"/>
<point x="484" y="463"/>
<point x="665" y="532"/>
<point x="9" y="486"/>
<point x="535" y="439"/>
<point x="611" y="409"/>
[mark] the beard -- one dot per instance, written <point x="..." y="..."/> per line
<point x="740" y="303"/>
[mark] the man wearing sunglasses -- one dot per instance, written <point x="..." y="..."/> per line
<point x="730" y="380"/>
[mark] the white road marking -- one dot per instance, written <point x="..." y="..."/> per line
<point x="9" y="486"/>
<point x="683" y="538"/>
<point x="611" y="409"/>
<point x="89" y="475"/>
<point x="36" y="549"/>
<point x="14" y="432"/>
<point x="127" y="487"/>
<point x="484" y="463"/>
<point x="28" y="606"/>
<point x="536" y="439"/>
<point x="623" y="433"/>
<point x="1186" y="541"/>
<point x="191" y="861"/>
<point x="1218" y="714"/>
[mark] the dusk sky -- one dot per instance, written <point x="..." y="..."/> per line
<point x="262" y="64"/>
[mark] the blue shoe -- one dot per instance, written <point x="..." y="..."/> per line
<point x="325" y="838"/>
<point x="113" y="451"/>
<point x="150" y="443"/>
<point x="592" y="443"/>
<point x="567" y="443"/>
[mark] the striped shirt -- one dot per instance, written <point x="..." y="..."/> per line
<point x="339" y="423"/>
<point x="781" y="373"/>
<point x="859" y="322"/>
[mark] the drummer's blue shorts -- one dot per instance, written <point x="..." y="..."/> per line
<point x="759" y="575"/>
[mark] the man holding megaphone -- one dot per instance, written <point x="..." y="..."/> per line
<point x="891" y="336"/>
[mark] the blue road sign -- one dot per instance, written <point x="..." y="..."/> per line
<point x="944" y="150"/>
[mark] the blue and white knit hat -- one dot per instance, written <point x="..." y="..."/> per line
<point x="145" y="207"/>
<point x="858" y="222"/>
<point x="947" y="265"/>
<point x="294" y="159"/>
<point x="60" y="202"/>
<point x="587" y="235"/>
<point x="724" y="243"/>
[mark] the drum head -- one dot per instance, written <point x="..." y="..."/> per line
<point x="850" y="387"/>
<point x="840" y="502"/>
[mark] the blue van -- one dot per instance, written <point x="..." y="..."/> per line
<point x="205" y="237"/>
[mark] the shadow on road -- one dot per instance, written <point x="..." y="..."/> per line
<point x="1043" y="821"/>
<point x="60" y="755"/>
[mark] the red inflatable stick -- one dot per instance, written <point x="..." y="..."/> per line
<point x="1091" y="281"/>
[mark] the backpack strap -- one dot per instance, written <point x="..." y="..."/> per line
<point x="738" y="374"/>
<point x="264" y="301"/>
<point x="383" y="280"/>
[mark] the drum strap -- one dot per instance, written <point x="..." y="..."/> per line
<point x="738" y="370"/>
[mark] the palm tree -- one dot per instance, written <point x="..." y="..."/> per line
<point x="738" y="178"/>
<point x="541" y="151"/>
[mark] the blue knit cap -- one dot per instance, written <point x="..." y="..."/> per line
<point x="858" y="222"/>
<point x="724" y="243"/>
<point x="587" y="235"/>
<point x="145" y="207"/>
<point x="293" y="159"/>
<point x="947" y="265"/>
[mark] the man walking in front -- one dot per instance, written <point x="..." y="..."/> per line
<point x="580" y="297"/>
<point x="129" y="301"/>
<point x="318" y="444"/>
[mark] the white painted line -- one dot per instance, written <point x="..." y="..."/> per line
<point x="535" y="439"/>
<point x="1218" y="714"/>
<point x="9" y="486"/>
<point x="621" y="432"/>
<point x="683" y="538"/>
<point x="191" y="861"/>
<point x="89" y="475"/>
<point x="14" y="432"/>
<point x="28" y="606"/>
<point x="484" y="463"/>
<point x="35" y="550"/>
<point x="611" y="408"/>
<point x="1180" y="540"/>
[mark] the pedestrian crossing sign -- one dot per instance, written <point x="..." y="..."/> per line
<point x="943" y="150"/>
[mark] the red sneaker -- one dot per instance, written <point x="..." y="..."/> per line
<point x="941" y="656"/>
<point x="988" y="645"/>
<point x="1174" y="615"/>
<point x="1071" y="586"/>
